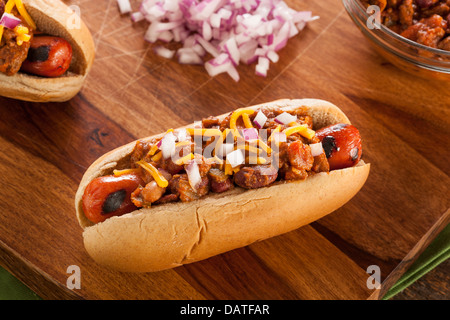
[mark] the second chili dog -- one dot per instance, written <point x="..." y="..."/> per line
<point x="23" y="49"/>
<point x="53" y="70"/>
<point x="61" y="56"/>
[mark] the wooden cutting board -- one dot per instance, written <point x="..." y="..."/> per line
<point x="131" y="93"/>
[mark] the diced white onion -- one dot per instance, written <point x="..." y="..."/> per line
<point x="235" y="158"/>
<point x="9" y="21"/>
<point x="193" y="174"/>
<point x="260" y="71"/>
<point x="260" y="120"/>
<point x="182" y="135"/>
<point x="214" y="20"/>
<point x="124" y="6"/>
<point x="222" y="63"/>
<point x="285" y="118"/>
<point x="262" y="66"/>
<point x="273" y="56"/>
<point x="263" y="62"/>
<point x="316" y="149"/>
<point x="189" y="57"/>
<point x="250" y="134"/>
<point x="168" y="145"/>
<point x="207" y="31"/>
<point x="224" y="149"/>
<point x="170" y="5"/>
<point x="137" y="16"/>
<point x="208" y="46"/>
<point x="232" y="50"/>
<point x="165" y="36"/>
<point x="164" y="52"/>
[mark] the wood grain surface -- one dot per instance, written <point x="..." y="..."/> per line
<point x="131" y="93"/>
<point x="435" y="285"/>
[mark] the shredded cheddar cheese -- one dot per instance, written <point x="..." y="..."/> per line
<point x="10" y="6"/>
<point x="249" y="148"/>
<point x="23" y="12"/>
<point x="159" y="178"/>
<point x="264" y="146"/>
<point x="183" y="143"/>
<point x="235" y="116"/>
<point x="153" y="150"/>
<point x="257" y="160"/>
<point x="21" y="30"/>
<point x="118" y="173"/>
<point x="247" y="121"/>
<point x="23" y="38"/>
<point x="157" y="157"/>
<point x="228" y="169"/>
<point x="185" y="159"/>
<point x="204" y="132"/>
<point x="277" y="129"/>
<point x="302" y="130"/>
<point x="261" y="160"/>
<point x="22" y="34"/>
<point x="219" y="137"/>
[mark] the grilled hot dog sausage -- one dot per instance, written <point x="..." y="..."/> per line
<point x="110" y="196"/>
<point x="342" y="145"/>
<point x="48" y="57"/>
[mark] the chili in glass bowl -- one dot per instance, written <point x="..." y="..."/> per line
<point x="413" y="57"/>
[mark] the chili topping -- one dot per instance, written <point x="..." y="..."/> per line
<point x="248" y="148"/>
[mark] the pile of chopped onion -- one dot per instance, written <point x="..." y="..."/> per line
<point x="221" y="33"/>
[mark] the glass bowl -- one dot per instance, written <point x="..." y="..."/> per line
<point x="415" y="58"/>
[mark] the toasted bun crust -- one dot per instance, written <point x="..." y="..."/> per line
<point x="178" y="233"/>
<point x="55" y="18"/>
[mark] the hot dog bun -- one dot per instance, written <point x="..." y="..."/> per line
<point x="54" y="18"/>
<point x="174" y="234"/>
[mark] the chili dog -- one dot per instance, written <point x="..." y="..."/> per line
<point x="42" y="57"/>
<point x="201" y="190"/>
